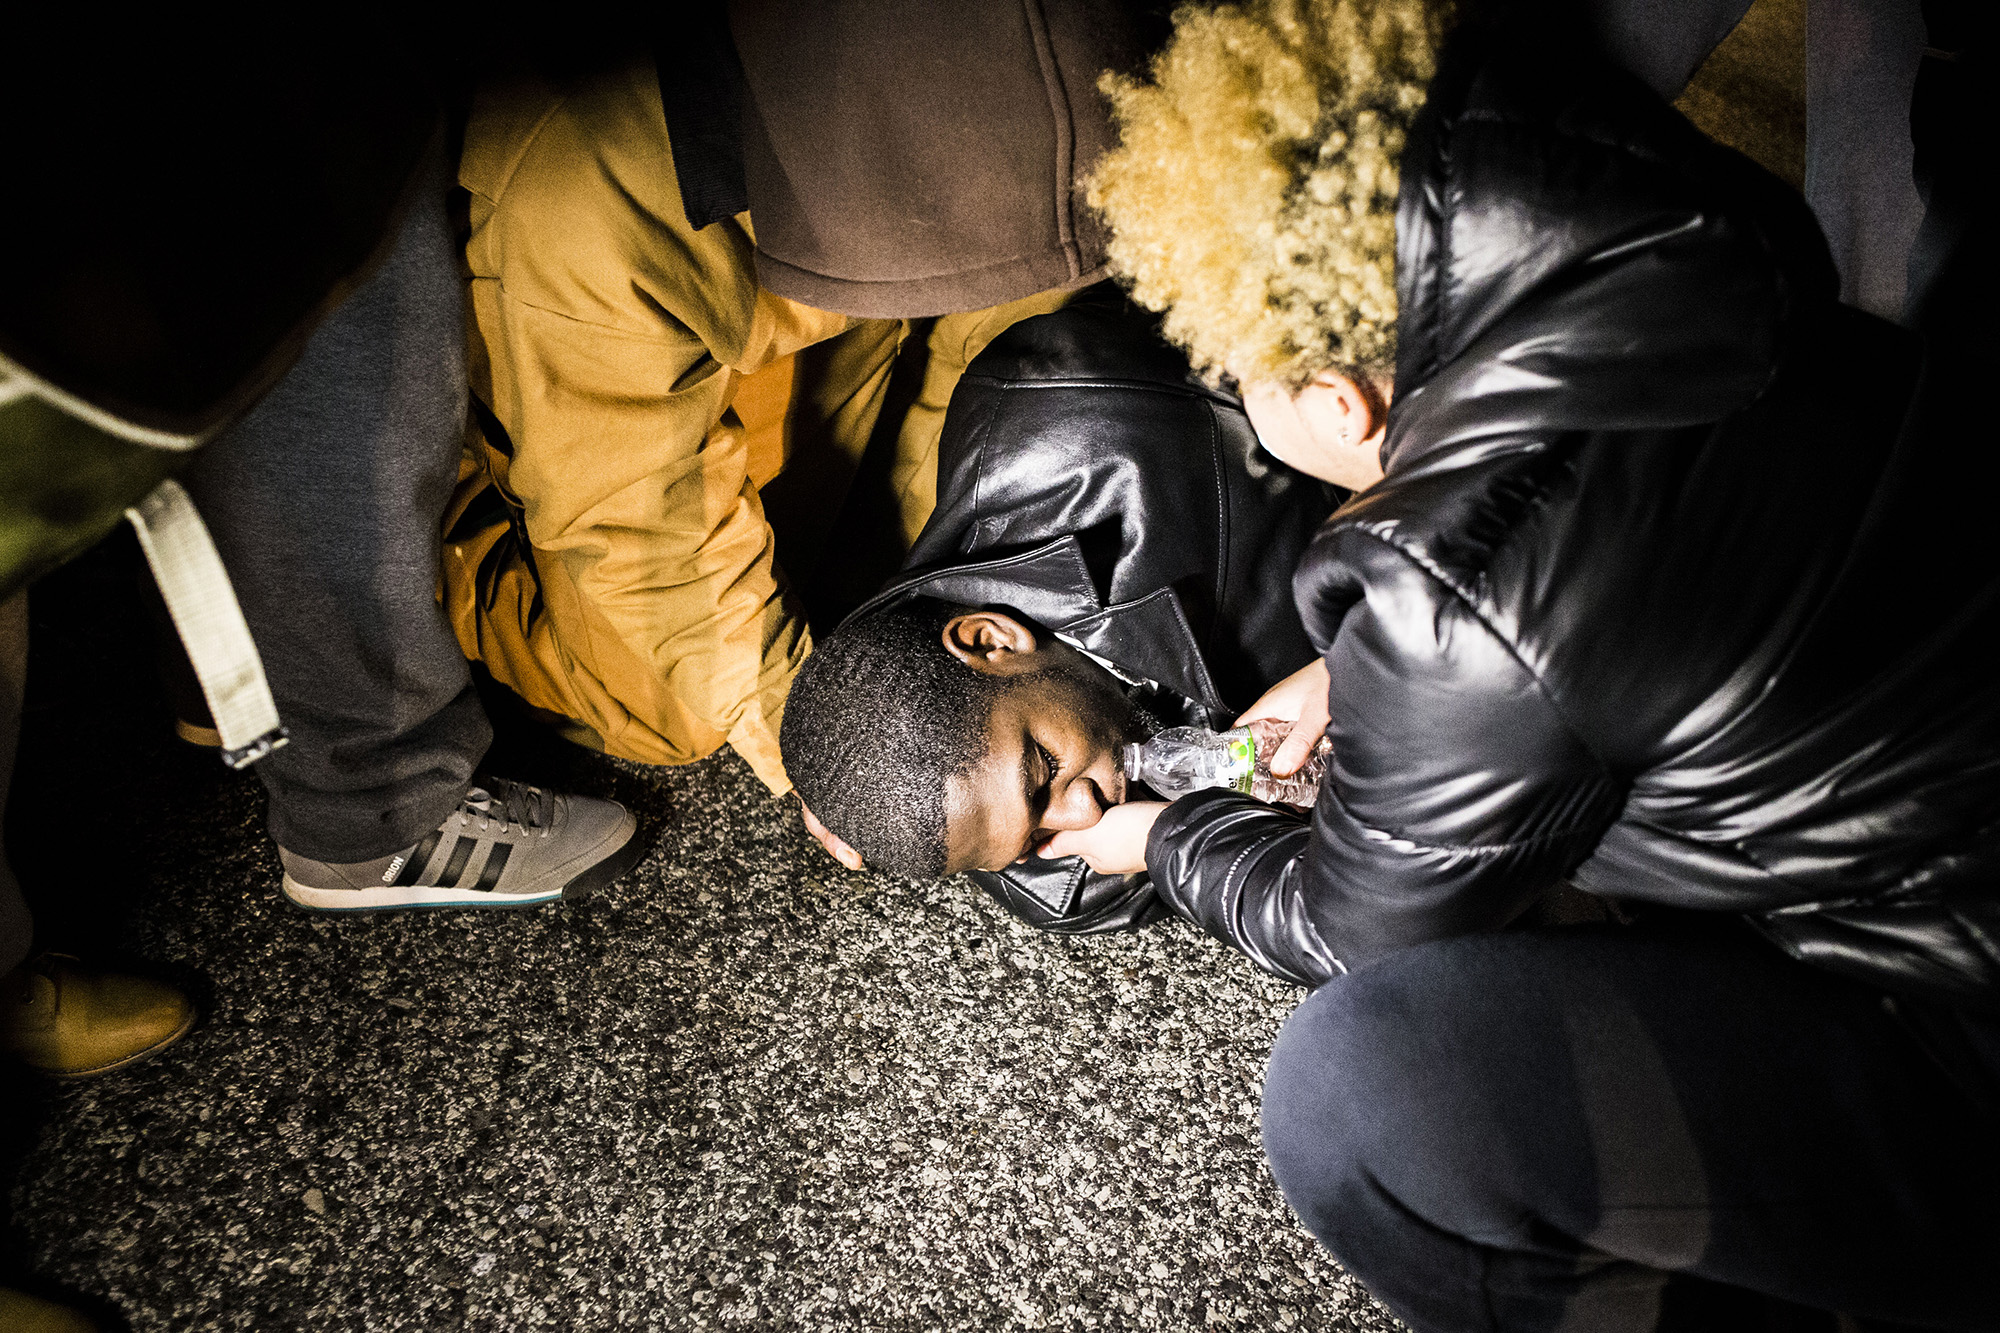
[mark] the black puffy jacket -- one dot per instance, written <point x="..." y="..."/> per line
<point x="1088" y="481"/>
<point x="1669" y="589"/>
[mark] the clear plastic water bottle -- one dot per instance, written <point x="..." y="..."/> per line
<point x="1184" y="759"/>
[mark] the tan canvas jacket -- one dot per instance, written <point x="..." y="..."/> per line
<point x="627" y="581"/>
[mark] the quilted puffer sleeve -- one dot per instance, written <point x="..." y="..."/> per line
<point x="1233" y="866"/>
<point x="1458" y="793"/>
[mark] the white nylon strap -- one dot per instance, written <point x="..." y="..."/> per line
<point x="198" y="594"/>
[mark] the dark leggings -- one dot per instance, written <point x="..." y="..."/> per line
<point x="1534" y="1131"/>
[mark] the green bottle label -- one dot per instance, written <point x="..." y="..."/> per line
<point x="1242" y="762"/>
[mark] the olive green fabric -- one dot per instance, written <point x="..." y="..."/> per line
<point x="187" y="196"/>
<point x="63" y="484"/>
<point x="1750" y="92"/>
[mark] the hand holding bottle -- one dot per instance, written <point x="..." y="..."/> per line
<point x="1180" y="760"/>
<point x="1273" y="739"/>
<point x="1299" y="699"/>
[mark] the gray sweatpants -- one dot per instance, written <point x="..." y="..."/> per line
<point x="325" y="502"/>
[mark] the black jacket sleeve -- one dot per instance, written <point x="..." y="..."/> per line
<point x="1234" y="867"/>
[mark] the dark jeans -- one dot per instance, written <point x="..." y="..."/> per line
<point x="325" y="502"/>
<point x="1532" y="1131"/>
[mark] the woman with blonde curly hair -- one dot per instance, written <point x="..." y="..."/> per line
<point x="1253" y="200"/>
<point x="1657" y="587"/>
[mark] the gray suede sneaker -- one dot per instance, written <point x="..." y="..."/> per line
<point x="507" y="845"/>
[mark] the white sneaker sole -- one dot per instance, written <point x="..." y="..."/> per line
<point x="627" y="851"/>
<point x="390" y="898"/>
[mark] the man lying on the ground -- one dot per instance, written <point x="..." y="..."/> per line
<point x="1111" y="552"/>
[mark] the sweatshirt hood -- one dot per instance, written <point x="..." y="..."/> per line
<point x="908" y="158"/>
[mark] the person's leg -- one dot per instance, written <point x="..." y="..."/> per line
<point x="325" y="502"/>
<point x="1532" y="1131"/>
<point x="56" y="1015"/>
<point x="1663" y="41"/>
<point x="17" y="928"/>
<point x="1861" y="65"/>
<point x="31" y="998"/>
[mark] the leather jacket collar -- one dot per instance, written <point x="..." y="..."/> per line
<point x="1051" y="585"/>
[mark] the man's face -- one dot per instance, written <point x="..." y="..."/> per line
<point x="1052" y="761"/>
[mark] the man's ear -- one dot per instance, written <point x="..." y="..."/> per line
<point x="991" y="642"/>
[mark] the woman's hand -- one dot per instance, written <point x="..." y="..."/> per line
<point x="1299" y="699"/>
<point x="830" y="840"/>
<point x="1115" y="844"/>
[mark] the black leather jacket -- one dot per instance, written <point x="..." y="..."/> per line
<point x="1667" y="590"/>
<point x="1086" y="480"/>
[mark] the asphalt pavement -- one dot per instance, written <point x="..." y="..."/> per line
<point x="741" y="1088"/>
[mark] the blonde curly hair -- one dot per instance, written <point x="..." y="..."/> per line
<point x="1253" y="194"/>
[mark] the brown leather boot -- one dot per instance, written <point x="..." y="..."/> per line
<point x="63" y="1019"/>
<point x="22" y="1313"/>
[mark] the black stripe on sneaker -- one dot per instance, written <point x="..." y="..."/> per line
<point x="496" y="861"/>
<point x="461" y="856"/>
<point x="421" y="857"/>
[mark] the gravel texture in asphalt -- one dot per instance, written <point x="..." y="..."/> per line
<point x="740" y="1088"/>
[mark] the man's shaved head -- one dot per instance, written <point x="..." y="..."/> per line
<point x="934" y="738"/>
